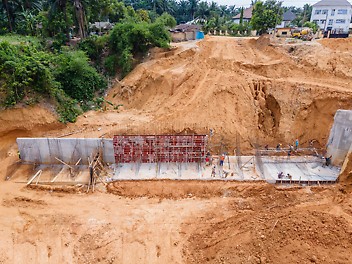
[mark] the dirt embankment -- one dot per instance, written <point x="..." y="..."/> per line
<point x="22" y="122"/>
<point x="306" y="226"/>
<point x="345" y="177"/>
<point x="265" y="93"/>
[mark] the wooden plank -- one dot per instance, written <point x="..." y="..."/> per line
<point x="38" y="179"/>
<point x="57" y="175"/>
<point x="56" y="183"/>
<point x="64" y="163"/>
<point x="35" y="175"/>
<point x="78" y="161"/>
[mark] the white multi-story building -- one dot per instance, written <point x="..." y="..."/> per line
<point x="333" y="15"/>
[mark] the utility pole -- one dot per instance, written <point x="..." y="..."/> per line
<point x="278" y="12"/>
<point x="304" y="15"/>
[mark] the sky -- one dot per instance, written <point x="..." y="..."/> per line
<point x="246" y="3"/>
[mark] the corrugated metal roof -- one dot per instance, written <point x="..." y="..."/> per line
<point x="333" y="3"/>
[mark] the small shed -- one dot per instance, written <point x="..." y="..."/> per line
<point x="284" y="32"/>
<point x="186" y="32"/>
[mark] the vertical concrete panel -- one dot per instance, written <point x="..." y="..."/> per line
<point x="108" y="150"/>
<point x="69" y="150"/>
<point x="340" y="139"/>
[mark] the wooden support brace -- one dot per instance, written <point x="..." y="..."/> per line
<point x="64" y="163"/>
<point x="35" y="175"/>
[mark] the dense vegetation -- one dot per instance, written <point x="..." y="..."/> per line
<point x="62" y="18"/>
<point x="74" y="77"/>
<point x="40" y="60"/>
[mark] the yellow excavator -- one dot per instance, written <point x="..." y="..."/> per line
<point x="303" y="33"/>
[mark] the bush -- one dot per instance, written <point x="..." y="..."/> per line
<point x="77" y="78"/>
<point x="130" y="38"/>
<point x="27" y="74"/>
<point x="93" y="46"/>
<point x="67" y="108"/>
<point x="111" y="64"/>
<point x="23" y="70"/>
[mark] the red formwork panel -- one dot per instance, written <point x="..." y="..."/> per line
<point x="160" y="148"/>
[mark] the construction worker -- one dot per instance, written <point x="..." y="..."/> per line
<point x="328" y="161"/>
<point x="207" y="161"/>
<point x="222" y="159"/>
<point x="213" y="171"/>
<point x="288" y="153"/>
<point x="296" y="143"/>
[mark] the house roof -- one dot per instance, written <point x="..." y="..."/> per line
<point x="333" y="3"/>
<point x="288" y="16"/>
<point x="247" y="13"/>
<point x="186" y="28"/>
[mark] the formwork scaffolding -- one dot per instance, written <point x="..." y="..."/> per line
<point x="160" y="148"/>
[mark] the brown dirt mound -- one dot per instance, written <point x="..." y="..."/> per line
<point x="344" y="45"/>
<point x="27" y="119"/>
<point x="273" y="227"/>
<point x="270" y="237"/>
<point x="236" y="85"/>
<point x="170" y="189"/>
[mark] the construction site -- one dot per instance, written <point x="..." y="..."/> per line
<point x="226" y="150"/>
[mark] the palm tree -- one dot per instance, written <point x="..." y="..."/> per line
<point x="9" y="13"/>
<point x="223" y="10"/>
<point x="61" y="6"/>
<point x="81" y="18"/>
<point x="203" y="10"/>
<point x="182" y="13"/>
<point x="193" y="4"/>
<point x="165" y="6"/>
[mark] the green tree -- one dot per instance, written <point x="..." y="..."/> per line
<point x="193" y="5"/>
<point x="241" y="16"/>
<point x="203" y="10"/>
<point x="130" y="38"/>
<point x="167" y="20"/>
<point x="311" y="25"/>
<point x="266" y="15"/>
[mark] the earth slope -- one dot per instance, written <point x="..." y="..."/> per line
<point x="267" y="92"/>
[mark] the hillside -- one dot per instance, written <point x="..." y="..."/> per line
<point x="265" y="92"/>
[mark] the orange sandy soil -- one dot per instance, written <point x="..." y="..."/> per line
<point x="263" y="91"/>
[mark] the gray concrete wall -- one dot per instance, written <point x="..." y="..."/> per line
<point x="69" y="150"/>
<point x="340" y="139"/>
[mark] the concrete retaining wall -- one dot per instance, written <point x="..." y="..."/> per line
<point x="340" y="139"/>
<point x="69" y="150"/>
